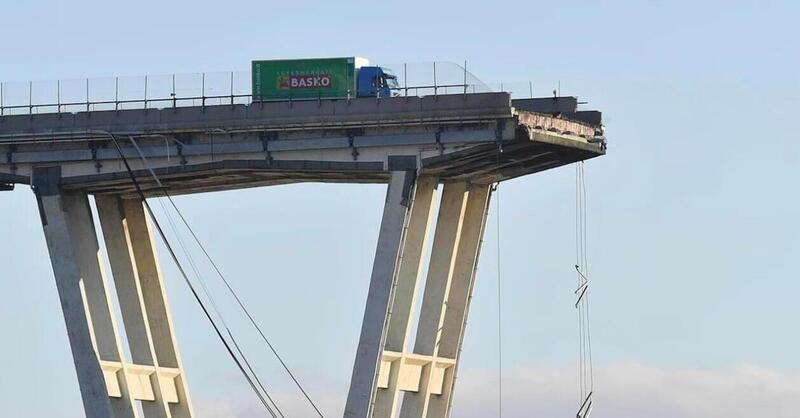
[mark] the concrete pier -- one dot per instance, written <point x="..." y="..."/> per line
<point x="112" y="386"/>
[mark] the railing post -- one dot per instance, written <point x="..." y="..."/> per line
<point x="203" y="94"/>
<point x="435" y="89"/>
<point x="465" y="78"/>
<point x="405" y="76"/>
<point x="145" y="92"/>
<point x="116" y="93"/>
<point x="30" y="97"/>
<point x="87" y="95"/>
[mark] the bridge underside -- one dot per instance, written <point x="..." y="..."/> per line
<point x="414" y="145"/>
<point x="482" y="164"/>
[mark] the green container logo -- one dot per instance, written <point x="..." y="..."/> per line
<point x="302" y="81"/>
<point x="325" y="78"/>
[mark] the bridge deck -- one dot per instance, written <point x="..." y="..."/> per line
<point x="477" y="137"/>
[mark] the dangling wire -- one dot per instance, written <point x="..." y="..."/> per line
<point x="499" y="313"/>
<point x="245" y="310"/>
<point x="225" y="281"/>
<point x="215" y="308"/>
<point x="201" y="281"/>
<point x="585" y="366"/>
<point x="215" y="326"/>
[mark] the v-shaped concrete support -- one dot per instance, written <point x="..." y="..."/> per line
<point x="111" y="386"/>
<point x="427" y="374"/>
<point x="370" y="345"/>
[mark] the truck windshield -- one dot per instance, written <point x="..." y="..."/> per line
<point x="391" y="82"/>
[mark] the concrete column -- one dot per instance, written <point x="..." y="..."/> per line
<point x="437" y="285"/>
<point x="159" y="318"/>
<point x="406" y="289"/>
<point x="457" y="304"/>
<point x="370" y="344"/>
<point x="74" y="254"/>
<point x="144" y="307"/>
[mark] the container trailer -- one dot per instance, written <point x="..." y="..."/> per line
<point x="321" y="78"/>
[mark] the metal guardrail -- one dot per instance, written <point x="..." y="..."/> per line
<point x="90" y="105"/>
<point x="117" y="101"/>
<point x="199" y="89"/>
<point x="229" y="99"/>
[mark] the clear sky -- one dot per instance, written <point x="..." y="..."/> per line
<point x="693" y="237"/>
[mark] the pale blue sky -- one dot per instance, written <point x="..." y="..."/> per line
<point x="693" y="213"/>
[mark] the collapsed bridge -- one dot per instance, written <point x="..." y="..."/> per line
<point x="458" y="144"/>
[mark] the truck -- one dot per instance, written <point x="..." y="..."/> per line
<point x="321" y="78"/>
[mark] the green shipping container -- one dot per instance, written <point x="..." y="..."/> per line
<point x="324" y="78"/>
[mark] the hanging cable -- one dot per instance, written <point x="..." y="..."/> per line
<point x="585" y="366"/>
<point x="183" y="273"/>
<point x="215" y="308"/>
<point x="246" y="311"/>
<point x="222" y="276"/>
<point x="499" y="313"/>
<point x="586" y="268"/>
<point x="203" y="286"/>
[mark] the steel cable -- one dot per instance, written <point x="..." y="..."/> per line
<point x="499" y="313"/>
<point x="229" y="287"/>
<point x="216" y="310"/>
<point x="585" y="366"/>
<point x="186" y="278"/>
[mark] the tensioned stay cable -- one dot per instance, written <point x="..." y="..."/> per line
<point x="186" y="278"/>
<point x="585" y="366"/>
<point x="229" y="287"/>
